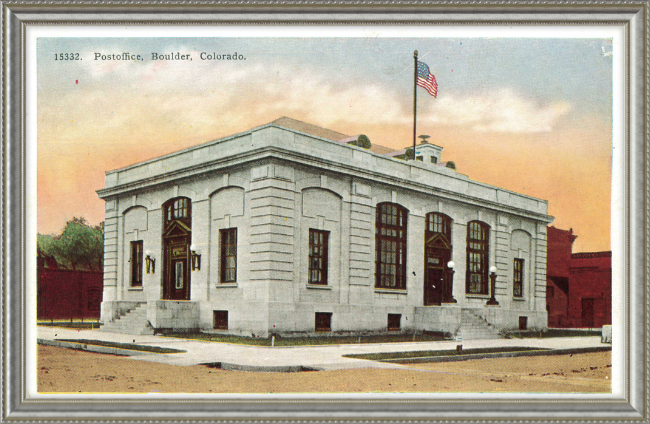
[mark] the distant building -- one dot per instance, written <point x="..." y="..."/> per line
<point x="64" y="294"/>
<point x="287" y="228"/>
<point x="579" y="285"/>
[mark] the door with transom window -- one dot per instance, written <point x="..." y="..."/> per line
<point x="177" y="237"/>
<point x="437" y="254"/>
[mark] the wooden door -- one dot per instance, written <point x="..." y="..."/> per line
<point x="176" y="272"/>
<point x="435" y="261"/>
<point x="433" y="283"/>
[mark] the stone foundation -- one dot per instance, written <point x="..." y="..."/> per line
<point x="177" y="315"/>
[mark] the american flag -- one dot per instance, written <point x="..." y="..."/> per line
<point x="426" y="79"/>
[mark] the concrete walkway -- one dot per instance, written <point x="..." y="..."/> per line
<point x="263" y="358"/>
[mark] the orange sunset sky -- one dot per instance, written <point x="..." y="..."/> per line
<point x="530" y="115"/>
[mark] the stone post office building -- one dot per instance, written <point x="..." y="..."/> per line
<point x="288" y="229"/>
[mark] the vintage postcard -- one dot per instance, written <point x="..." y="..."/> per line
<point x="412" y="212"/>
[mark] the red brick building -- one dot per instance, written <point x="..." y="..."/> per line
<point x="67" y="294"/>
<point x="579" y="285"/>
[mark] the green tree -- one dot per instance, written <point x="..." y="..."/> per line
<point x="362" y="141"/>
<point x="80" y="246"/>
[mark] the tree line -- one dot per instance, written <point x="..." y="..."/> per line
<point x="80" y="246"/>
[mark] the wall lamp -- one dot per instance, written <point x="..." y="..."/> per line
<point x="493" y="282"/>
<point x="150" y="262"/>
<point x="196" y="258"/>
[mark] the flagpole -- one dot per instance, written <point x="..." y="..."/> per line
<point x="415" y="97"/>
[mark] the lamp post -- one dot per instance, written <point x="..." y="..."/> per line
<point x="448" y="295"/>
<point x="493" y="282"/>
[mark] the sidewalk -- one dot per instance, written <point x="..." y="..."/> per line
<point x="264" y="358"/>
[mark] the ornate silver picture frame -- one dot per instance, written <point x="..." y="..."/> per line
<point x="27" y="27"/>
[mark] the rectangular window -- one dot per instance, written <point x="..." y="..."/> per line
<point x="180" y="208"/>
<point x="523" y="323"/>
<point x="394" y="322"/>
<point x="228" y="255"/>
<point x="518" y="278"/>
<point x="220" y="320"/>
<point x="318" y="256"/>
<point x="478" y="241"/>
<point x="136" y="263"/>
<point x="178" y="275"/>
<point x="323" y="321"/>
<point x="390" y="247"/>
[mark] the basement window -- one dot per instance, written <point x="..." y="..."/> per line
<point x="394" y="322"/>
<point x="220" y="320"/>
<point x="523" y="323"/>
<point x="323" y="321"/>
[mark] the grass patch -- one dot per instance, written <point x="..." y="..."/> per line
<point x="308" y="341"/>
<point x="67" y="324"/>
<point x="553" y="332"/>
<point x="396" y="356"/>
<point x="129" y="346"/>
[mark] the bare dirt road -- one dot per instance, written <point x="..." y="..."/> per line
<point x="71" y="371"/>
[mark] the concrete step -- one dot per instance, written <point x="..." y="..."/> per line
<point x="474" y="327"/>
<point x="133" y="322"/>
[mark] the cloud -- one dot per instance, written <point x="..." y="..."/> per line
<point x="214" y="98"/>
<point x="500" y="111"/>
<point x="159" y="93"/>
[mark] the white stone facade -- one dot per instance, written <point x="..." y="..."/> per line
<point x="273" y="184"/>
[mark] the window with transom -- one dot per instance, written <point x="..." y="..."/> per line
<point x="228" y="241"/>
<point x="390" y="247"/>
<point x="518" y="278"/>
<point x="318" y="241"/>
<point x="478" y="242"/>
<point x="136" y="263"/>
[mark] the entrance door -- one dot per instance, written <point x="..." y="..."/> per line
<point x="434" y="279"/>
<point x="588" y="313"/>
<point x="176" y="280"/>
<point x="433" y="286"/>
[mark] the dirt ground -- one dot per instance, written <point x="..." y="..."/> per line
<point x="71" y="371"/>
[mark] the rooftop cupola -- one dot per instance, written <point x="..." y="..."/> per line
<point x="428" y="153"/>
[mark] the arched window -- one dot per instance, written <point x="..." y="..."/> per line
<point x="179" y="208"/>
<point x="438" y="223"/>
<point x="478" y="244"/>
<point x="390" y="245"/>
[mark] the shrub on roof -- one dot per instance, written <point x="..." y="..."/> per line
<point x="362" y="141"/>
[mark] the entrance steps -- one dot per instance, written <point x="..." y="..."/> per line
<point x="474" y="327"/>
<point x="133" y="321"/>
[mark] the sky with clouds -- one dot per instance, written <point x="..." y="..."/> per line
<point x="529" y="115"/>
